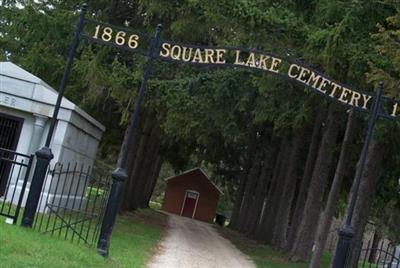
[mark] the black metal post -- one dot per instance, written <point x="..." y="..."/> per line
<point x="119" y="175"/>
<point x="346" y="231"/>
<point x="44" y="155"/>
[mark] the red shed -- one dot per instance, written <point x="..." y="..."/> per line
<point x="191" y="194"/>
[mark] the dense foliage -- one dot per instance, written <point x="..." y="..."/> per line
<point x="211" y="117"/>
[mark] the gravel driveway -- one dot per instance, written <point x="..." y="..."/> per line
<point x="194" y="244"/>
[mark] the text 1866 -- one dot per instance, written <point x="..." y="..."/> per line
<point x="119" y="38"/>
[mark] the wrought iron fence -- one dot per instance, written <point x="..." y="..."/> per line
<point x="384" y="255"/>
<point x="72" y="202"/>
<point x="14" y="175"/>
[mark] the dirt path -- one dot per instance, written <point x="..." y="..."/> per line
<point x="193" y="244"/>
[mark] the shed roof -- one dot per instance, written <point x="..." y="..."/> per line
<point x="193" y="171"/>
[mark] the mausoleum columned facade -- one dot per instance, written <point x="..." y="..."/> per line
<point x="27" y="104"/>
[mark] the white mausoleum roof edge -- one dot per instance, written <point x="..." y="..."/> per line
<point x="13" y="71"/>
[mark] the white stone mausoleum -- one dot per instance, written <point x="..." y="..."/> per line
<point x="27" y="104"/>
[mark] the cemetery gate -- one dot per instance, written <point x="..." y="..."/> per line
<point x="72" y="202"/>
<point x="154" y="48"/>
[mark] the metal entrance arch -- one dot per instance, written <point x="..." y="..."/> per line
<point x="287" y="68"/>
<point x="154" y="48"/>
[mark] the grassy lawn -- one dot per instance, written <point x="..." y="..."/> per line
<point x="263" y="255"/>
<point x="134" y="241"/>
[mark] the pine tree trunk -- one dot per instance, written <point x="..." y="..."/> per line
<point x="273" y="202"/>
<point x="262" y="229"/>
<point x="279" y="239"/>
<point x="140" y="156"/>
<point x="326" y="220"/>
<point x="149" y="174"/>
<point x="249" y="192"/>
<point x="370" y="176"/>
<point x="312" y="209"/>
<point x="155" y="175"/>
<point x="132" y="152"/>
<point x="249" y="212"/>
<point x="261" y="191"/>
<point x="150" y="157"/>
<point x="144" y="203"/>
<point x="242" y="185"/>
<point x="305" y="182"/>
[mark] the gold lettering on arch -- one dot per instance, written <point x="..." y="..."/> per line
<point x="395" y="106"/>
<point x="220" y="55"/>
<point x="366" y="99"/>
<point x="208" y="57"/>
<point x="290" y="72"/>
<point x="176" y="52"/>
<point x="164" y="52"/>
<point x="269" y="63"/>
<point x="186" y="56"/>
<point x="197" y="56"/>
<point x="345" y="92"/>
<point x="355" y="98"/>
<point x="275" y="65"/>
<point x="313" y="79"/>
<point x="250" y="58"/>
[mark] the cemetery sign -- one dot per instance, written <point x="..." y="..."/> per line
<point x="288" y="68"/>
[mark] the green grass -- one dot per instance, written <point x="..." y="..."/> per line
<point x="134" y="241"/>
<point x="93" y="191"/>
<point x="262" y="255"/>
